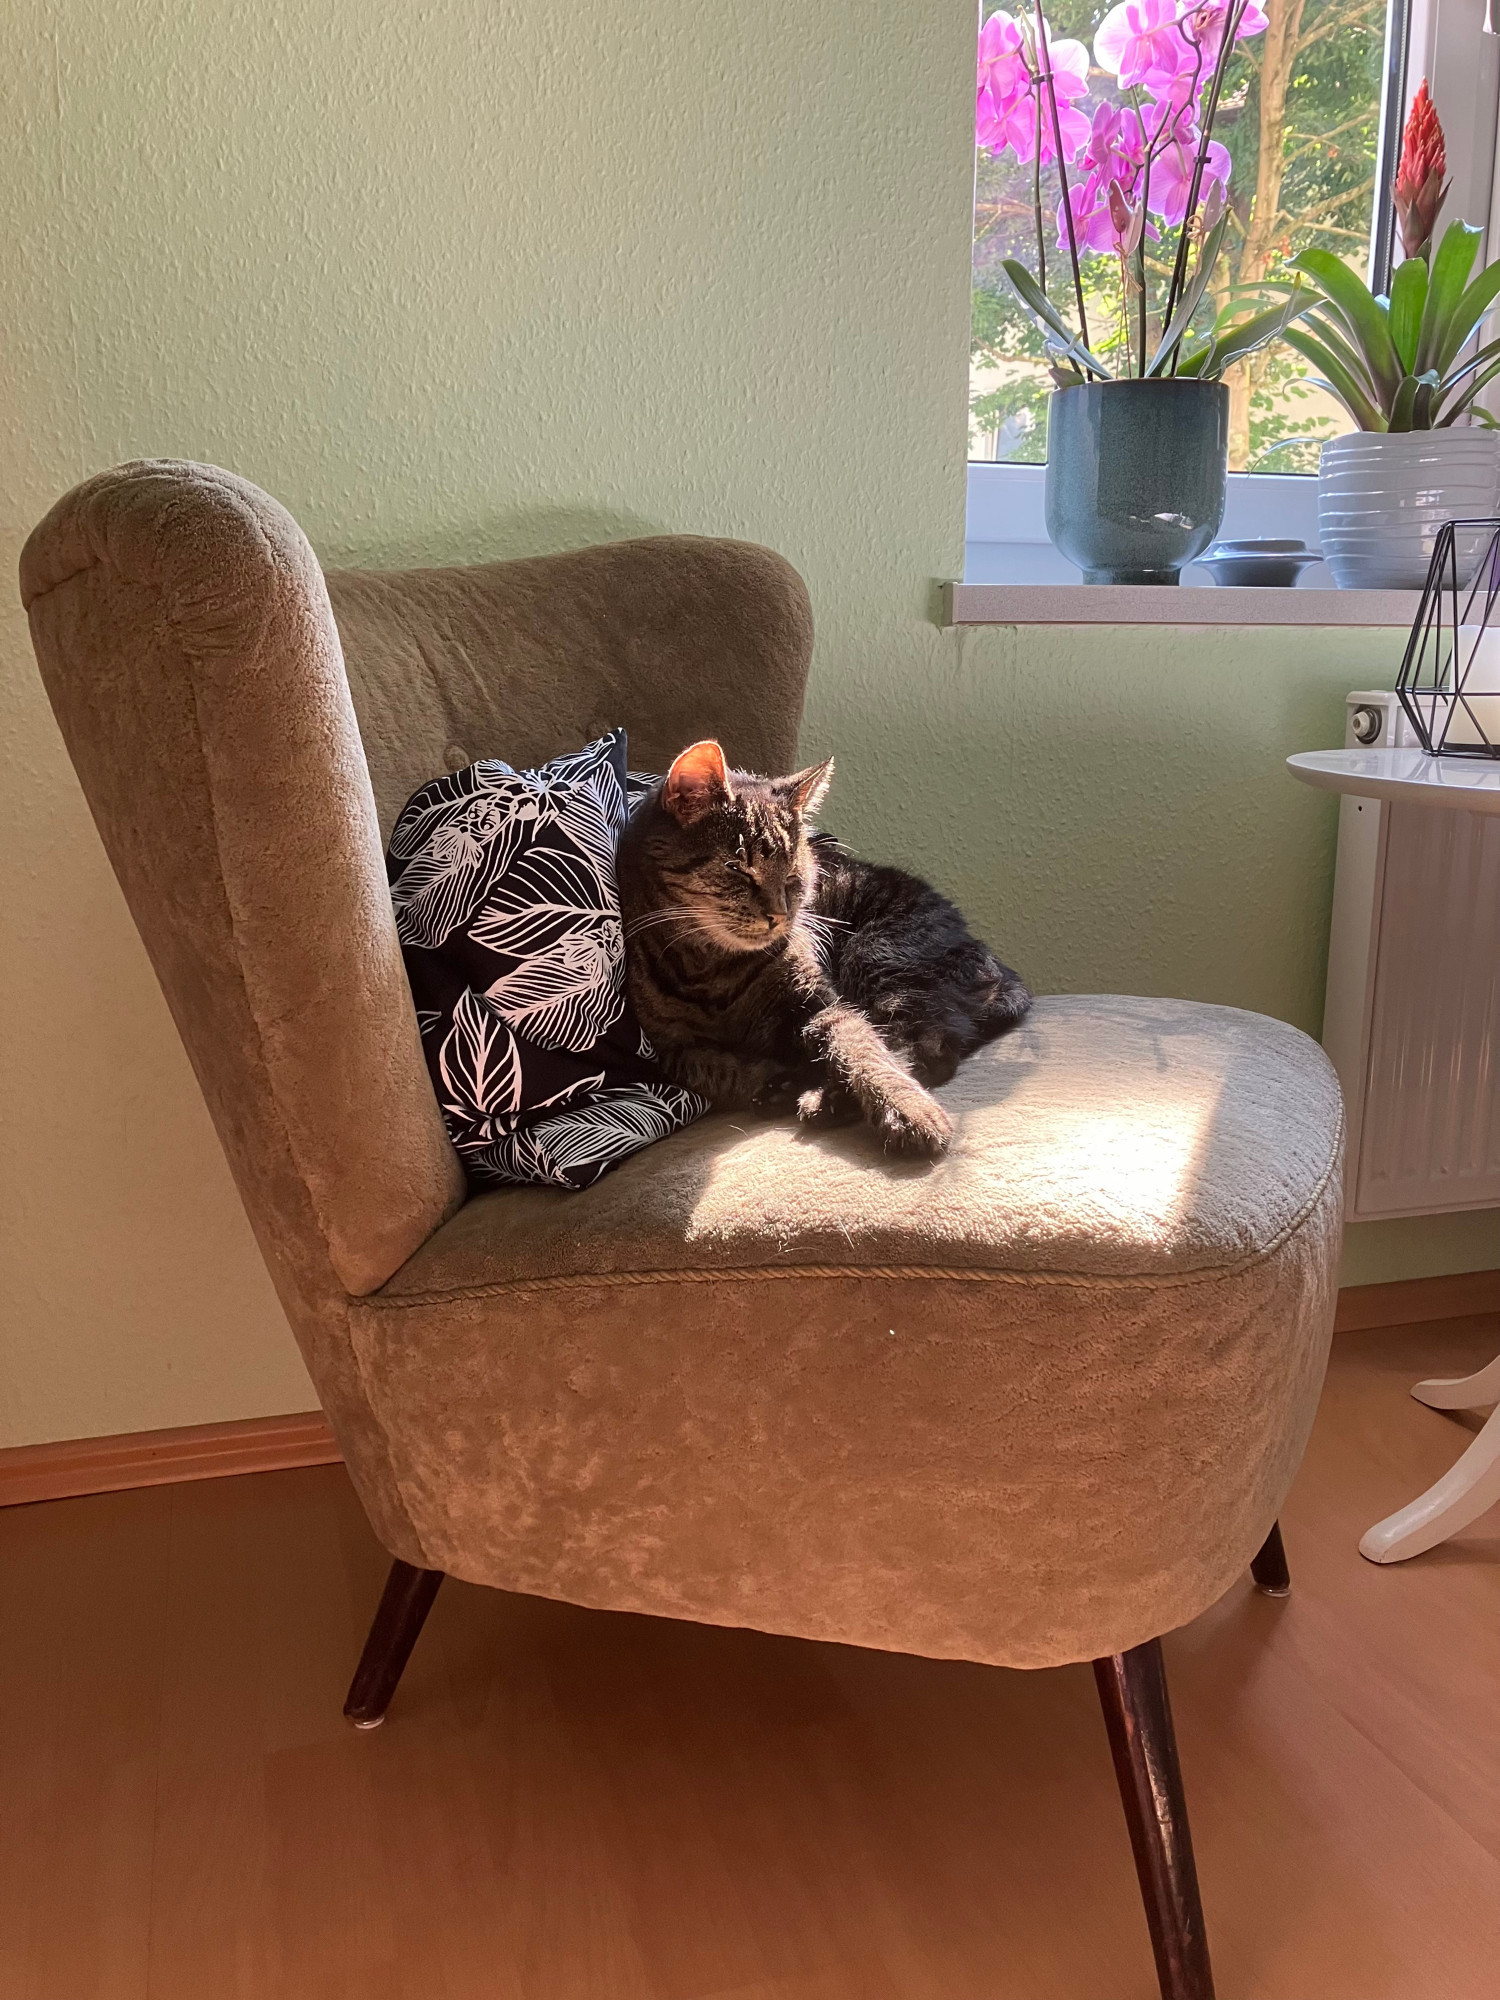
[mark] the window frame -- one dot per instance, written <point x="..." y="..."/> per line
<point x="1005" y="534"/>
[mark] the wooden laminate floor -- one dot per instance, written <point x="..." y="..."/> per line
<point x="570" y="1805"/>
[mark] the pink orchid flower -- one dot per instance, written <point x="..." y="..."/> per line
<point x="1005" y="109"/>
<point x="1092" y="225"/>
<point x="1142" y="43"/>
<point x="1172" y="173"/>
<point x="1204" y="26"/>
<point x="1095" y="225"/>
<point x="1174" y="137"/>
<point x="1115" y="150"/>
<point x="1111" y="161"/>
<point x="1152" y="42"/>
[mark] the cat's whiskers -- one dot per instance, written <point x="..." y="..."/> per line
<point x="653" y="917"/>
<point x="819" y="928"/>
<point x="688" y="925"/>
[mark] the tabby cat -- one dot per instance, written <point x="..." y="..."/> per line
<point x="768" y="965"/>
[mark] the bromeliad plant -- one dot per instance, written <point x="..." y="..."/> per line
<point x="1139" y="164"/>
<point x="1394" y="362"/>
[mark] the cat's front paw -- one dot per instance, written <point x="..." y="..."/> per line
<point x="917" y="1128"/>
<point x="777" y="1094"/>
<point x="825" y="1104"/>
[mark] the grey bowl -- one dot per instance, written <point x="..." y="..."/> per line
<point x="1261" y="562"/>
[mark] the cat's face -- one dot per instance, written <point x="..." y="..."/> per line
<point x="728" y="853"/>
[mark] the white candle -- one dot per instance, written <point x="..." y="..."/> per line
<point x="1476" y="675"/>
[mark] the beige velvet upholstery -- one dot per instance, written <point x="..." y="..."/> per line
<point x="1036" y="1403"/>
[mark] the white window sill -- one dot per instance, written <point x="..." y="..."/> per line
<point x="1014" y="576"/>
<point x="1150" y="604"/>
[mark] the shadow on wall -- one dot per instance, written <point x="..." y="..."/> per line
<point x="1110" y="805"/>
<point x="520" y="531"/>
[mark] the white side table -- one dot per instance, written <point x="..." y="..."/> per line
<point x="1455" y="784"/>
<point x="1464" y="784"/>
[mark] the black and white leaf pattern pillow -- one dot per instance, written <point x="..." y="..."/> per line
<point x="503" y="885"/>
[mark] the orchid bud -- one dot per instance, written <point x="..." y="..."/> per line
<point x="1128" y="222"/>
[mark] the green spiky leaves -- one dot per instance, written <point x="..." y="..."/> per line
<point x="1391" y="362"/>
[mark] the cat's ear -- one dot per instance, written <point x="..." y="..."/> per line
<point x="696" y="783"/>
<point x="808" y="789"/>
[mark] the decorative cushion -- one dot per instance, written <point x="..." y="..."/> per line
<point x="503" y="884"/>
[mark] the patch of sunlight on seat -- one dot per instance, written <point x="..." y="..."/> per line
<point x="1041" y="1155"/>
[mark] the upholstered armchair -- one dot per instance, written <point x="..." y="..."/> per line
<point x="1040" y="1402"/>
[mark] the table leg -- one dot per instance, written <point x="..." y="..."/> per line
<point x="1462" y="1392"/>
<point x="1458" y="1498"/>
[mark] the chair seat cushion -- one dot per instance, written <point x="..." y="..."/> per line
<point x="1106" y="1137"/>
<point x="1038" y="1402"/>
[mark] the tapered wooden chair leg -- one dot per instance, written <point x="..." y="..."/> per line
<point x="402" y="1612"/>
<point x="1269" y="1569"/>
<point x="1133" y="1693"/>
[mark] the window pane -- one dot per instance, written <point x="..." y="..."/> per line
<point x="1300" y="117"/>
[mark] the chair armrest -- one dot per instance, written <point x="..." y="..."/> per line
<point x="183" y="631"/>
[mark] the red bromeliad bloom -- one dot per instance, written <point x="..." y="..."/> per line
<point x="1420" y="188"/>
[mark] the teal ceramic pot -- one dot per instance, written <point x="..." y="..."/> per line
<point x="1136" y="476"/>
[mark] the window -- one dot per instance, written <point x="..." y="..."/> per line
<point x="1311" y="117"/>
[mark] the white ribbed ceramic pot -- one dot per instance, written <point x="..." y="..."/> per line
<point x="1383" y="495"/>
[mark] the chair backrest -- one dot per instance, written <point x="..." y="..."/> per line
<point x="677" y="637"/>
<point x="185" y="635"/>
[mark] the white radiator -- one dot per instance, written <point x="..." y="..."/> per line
<point x="1412" y="1016"/>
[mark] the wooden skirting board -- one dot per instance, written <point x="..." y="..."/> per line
<point x="162" y="1458"/>
<point x="1411" y="1301"/>
<point x="275" y="1444"/>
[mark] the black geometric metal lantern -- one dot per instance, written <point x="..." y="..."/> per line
<point x="1449" y="682"/>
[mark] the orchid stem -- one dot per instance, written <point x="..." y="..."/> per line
<point x="1036" y="197"/>
<point x="1044" y="62"/>
<point x="1142" y="255"/>
<point x="1151" y="141"/>
<point x="1125" y="310"/>
<point x="1145" y="191"/>
<point x="1210" y="111"/>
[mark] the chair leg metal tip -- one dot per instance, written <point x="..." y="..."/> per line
<point x="367" y="1722"/>
<point x="1278" y="1590"/>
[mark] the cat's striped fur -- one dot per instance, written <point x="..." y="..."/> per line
<point x="770" y="966"/>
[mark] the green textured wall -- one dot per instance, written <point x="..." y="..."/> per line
<point x="460" y="280"/>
